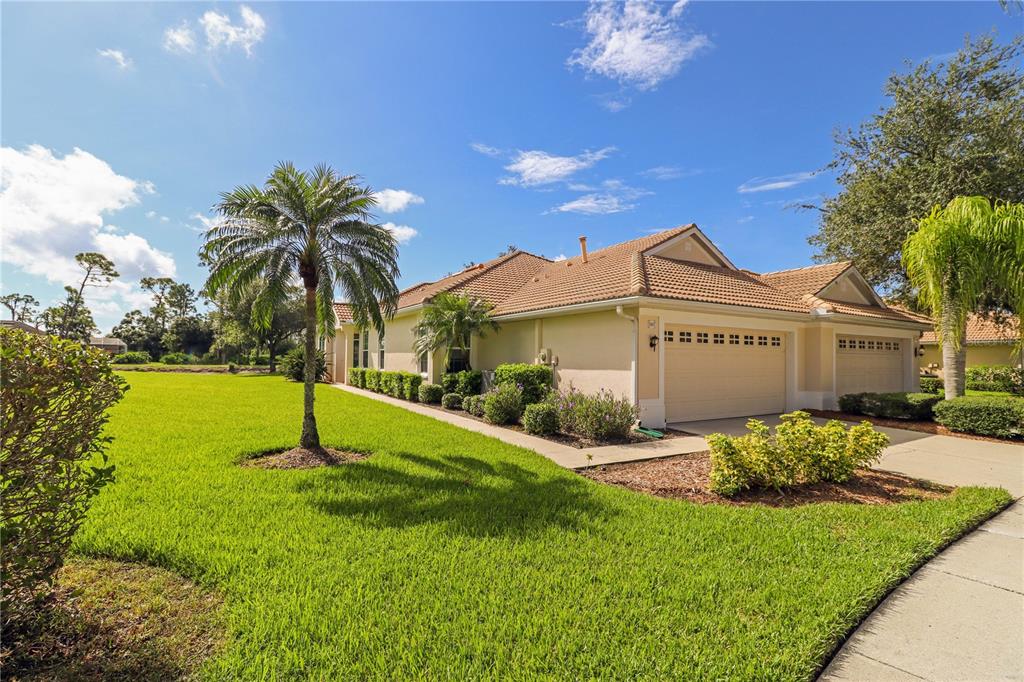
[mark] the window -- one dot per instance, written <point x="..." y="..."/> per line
<point x="719" y="338"/>
<point x="380" y="355"/>
<point x="458" y="359"/>
<point x="860" y="344"/>
<point x="423" y="363"/>
<point x="685" y="337"/>
<point x="366" y="349"/>
<point x="842" y="344"/>
<point x="702" y="337"/>
<point x="669" y="335"/>
<point x="323" y="343"/>
<point x="871" y="345"/>
<point x="355" y="350"/>
<point x="762" y="340"/>
<point x="776" y="341"/>
<point x="896" y="345"/>
<point x="748" y="340"/>
<point x="734" y="339"/>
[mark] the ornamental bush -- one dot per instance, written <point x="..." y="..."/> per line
<point x="540" y="419"/>
<point x="466" y="382"/>
<point x="931" y="385"/>
<point x="293" y="365"/>
<point x="372" y="378"/>
<point x="357" y="377"/>
<point x="534" y="380"/>
<point x="916" y="406"/>
<point x="55" y="396"/>
<point x="1002" y="417"/>
<point x="503" y="404"/>
<point x="598" y="417"/>
<point x="474" y="404"/>
<point x="431" y="393"/>
<point x="132" y="357"/>
<point x="798" y="452"/>
<point x="996" y="378"/>
<point x="411" y="382"/>
<point x="390" y="383"/>
<point x="176" y="359"/>
<point x="451" y="401"/>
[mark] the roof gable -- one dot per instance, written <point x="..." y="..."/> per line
<point x="691" y="245"/>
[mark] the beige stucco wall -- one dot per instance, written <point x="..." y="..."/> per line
<point x="593" y="351"/>
<point x="516" y="341"/>
<point x="689" y="249"/>
<point x="847" y="288"/>
<point x="648" y="360"/>
<point x="976" y="355"/>
<point x="816" y="366"/>
<point x="398" y="344"/>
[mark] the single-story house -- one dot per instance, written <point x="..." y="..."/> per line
<point x="988" y="343"/>
<point x="23" y="326"/>
<point x="668" y="321"/>
<point x="108" y="344"/>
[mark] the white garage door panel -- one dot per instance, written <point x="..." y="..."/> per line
<point x="868" y="364"/>
<point x="710" y="381"/>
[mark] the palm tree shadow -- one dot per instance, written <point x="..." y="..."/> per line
<point x="469" y="496"/>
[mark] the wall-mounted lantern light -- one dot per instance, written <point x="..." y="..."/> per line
<point x="654" y="341"/>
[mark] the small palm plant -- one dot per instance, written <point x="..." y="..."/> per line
<point x="315" y="227"/>
<point x="449" y="322"/>
<point x="960" y="253"/>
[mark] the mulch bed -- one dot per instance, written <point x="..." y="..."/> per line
<point x="302" y="458"/>
<point x="569" y="439"/>
<point x="907" y="424"/>
<point x="686" y="477"/>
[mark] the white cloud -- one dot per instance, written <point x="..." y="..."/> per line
<point x="616" y="103"/>
<point x="745" y="219"/>
<point x="537" y="167"/>
<point x="153" y="215"/>
<point x="670" y="172"/>
<point x="122" y="60"/>
<point x="767" y="184"/>
<point x="54" y="207"/>
<point x="560" y="257"/>
<point x="222" y="32"/>
<point x="180" y="39"/>
<point x="486" y="150"/>
<point x="635" y="43"/>
<point x="595" y="204"/>
<point x="403" y="233"/>
<point x="396" y="200"/>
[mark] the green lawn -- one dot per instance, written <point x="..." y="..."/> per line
<point x="451" y="555"/>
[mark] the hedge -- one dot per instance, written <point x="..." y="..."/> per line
<point x="540" y="419"/>
<point x="931" y="385"/>
<point x="995" y="378"/>
<point x="466" y="382"/>
<point x="917" y="406"/>
<point x="503" y="404"/>
<point x="1002" y="417"/>
<point x="431" y="393"/>
<point x="533" y="380"/>
<point x="132" y="357"/>
<point x="452" y="401"/>
<point x="357" y="377"/>
<point x="373" y="380"/>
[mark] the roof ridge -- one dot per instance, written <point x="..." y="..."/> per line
<point x="494" y="262"/>
<point x="808" y="267"/>
<point x="637" y="274"/>
<point x="659" y="237"/>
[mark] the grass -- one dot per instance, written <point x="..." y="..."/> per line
<point x="451" y="555"/>
<point x="993" y="394"/>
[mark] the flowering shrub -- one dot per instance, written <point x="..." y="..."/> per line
<point x="540" y="419"/>
<point x="800" y="451"/>
<point x="599" y="417"/>
<point x="474" y="404"/>
<point x="503" y="404"/>
<point x="452" y="401"/>
<point x="533" y="380"/>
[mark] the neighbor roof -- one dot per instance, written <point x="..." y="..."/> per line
<point x="106" y="341"/>
<point x="23" y="326"/>
<point x="522" y="282"/>
<point x="983" y="330"/>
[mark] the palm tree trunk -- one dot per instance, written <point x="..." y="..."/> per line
<point x="954" y="362"/>
<point x="310" y="436"/>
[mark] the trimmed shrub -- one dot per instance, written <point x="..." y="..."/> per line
<point x="996" y="378"/>
<point x="411" y="386"/>
<point x="372" y="379"/>
<point x="293" y="365"/>
<point x="798" y="452"/>
<point x="132" y="357"/>
<point x="466" y="382"/>
<point x="533" y="380"/>
<point x="176" y="359"/>
<point x="597" y="417"/>
<point x="540" y="419"/>
<point x="503" y="404"/>
<point x="891" y="405"/>
<point x="431" y="393"/>
<point x="390" y="383"/>
<point x="932" y="385"/>
<point x="474" y="404"/>
<point x="54" y="396"/>
<point x="1002" y="417"/>
<point x="451" y="401"/>
<point x="357" y="377"/>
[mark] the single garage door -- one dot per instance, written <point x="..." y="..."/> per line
<point x="712" y="373"/>
<point x="868" y="364"/>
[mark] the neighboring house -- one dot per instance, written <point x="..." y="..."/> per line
<point x="23" y="326"/>
<point x="988" y="343"/>
<point x="669" y="322"/>
<point x="108" y="344"/>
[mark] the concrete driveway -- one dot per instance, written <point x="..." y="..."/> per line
<point x="961" y="616"/>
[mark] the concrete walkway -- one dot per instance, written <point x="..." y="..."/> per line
<point x="961" y="616"/>
<point x="564" y="455"/>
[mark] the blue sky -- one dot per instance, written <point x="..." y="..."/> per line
<point x="494" y="123"/>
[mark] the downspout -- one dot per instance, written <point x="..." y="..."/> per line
<point x="618" y="311"/>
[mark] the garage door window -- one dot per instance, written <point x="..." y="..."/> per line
<point x="702" y="337"/>
<point x="668" y="336"/>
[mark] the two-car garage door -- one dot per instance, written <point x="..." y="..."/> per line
<point x="714" y="372"/>
<point x="868" y="364"/>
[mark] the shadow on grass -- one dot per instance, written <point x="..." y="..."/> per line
<point x="469" y="495"/>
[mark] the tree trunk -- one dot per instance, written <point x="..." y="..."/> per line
<point x="310" y="436"/>
<point x="272" y="356"/>
<point x="954" y="362"/>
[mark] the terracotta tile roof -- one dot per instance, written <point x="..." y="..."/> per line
<point x="809" y="280"/>
<point x="983" y="330"/>
<point x="710" y="284"/>
<point x="23" y="326"/>
<point x="493" y="281"/>
<point x="888" y="313"/>
<point x="343" y="311"/>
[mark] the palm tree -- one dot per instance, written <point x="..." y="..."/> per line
<point x="449" y="322"/>
<point x="960" y="253"/>
<point x="315" y="226"/>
